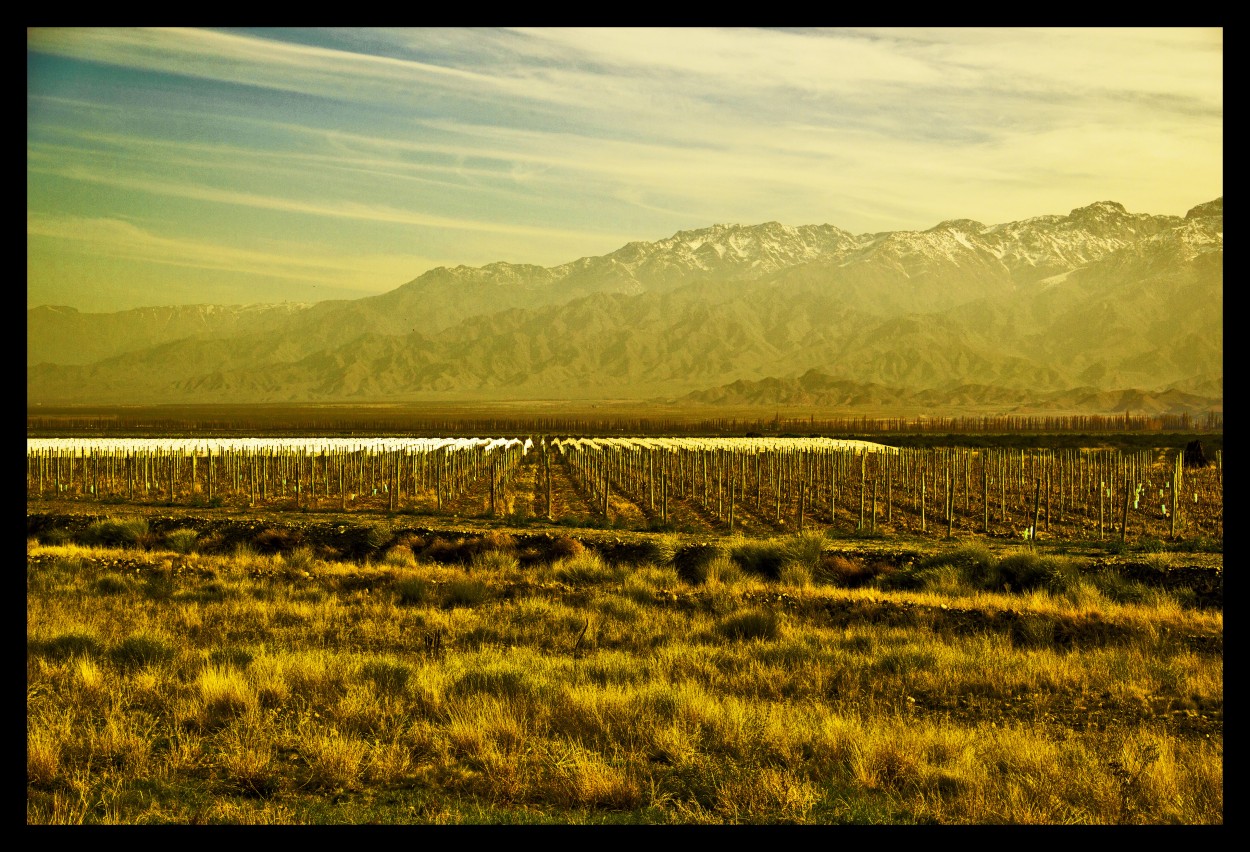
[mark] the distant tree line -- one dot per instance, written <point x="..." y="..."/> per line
<point x="279" y="422"/>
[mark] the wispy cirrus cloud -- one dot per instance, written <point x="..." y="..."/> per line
<point x="542" y="145"/>
<point x="339" y="209"/>
<point x="115" y="238"/>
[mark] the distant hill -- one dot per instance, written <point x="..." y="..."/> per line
<point x="1096" y="309"/>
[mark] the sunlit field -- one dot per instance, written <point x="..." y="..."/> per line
<point x="358" y="673"/>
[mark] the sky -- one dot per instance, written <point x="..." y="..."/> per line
<point x="240" y="166"/>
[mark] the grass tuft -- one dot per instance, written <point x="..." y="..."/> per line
<point x="762" y="558"/>
<point x="66" y="646"/>
<point x="116" y="532"/>
<point x="141" y="650"/>
<point x="181" y="540"/>
<point x="752" y="624"/>
<point x="465" y="592"/>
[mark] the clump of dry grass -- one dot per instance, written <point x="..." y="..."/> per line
<point x="224" y="694"/>
<point x="400" y="556"/>
<point x="335" y="761"/>
<point x="586" y="569"/>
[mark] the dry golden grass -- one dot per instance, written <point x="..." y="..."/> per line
<point x="582" y="691"/>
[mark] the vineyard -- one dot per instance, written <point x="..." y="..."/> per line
<point x="754" y="486"/>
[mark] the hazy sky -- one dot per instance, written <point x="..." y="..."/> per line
<point x="209" y="166"/>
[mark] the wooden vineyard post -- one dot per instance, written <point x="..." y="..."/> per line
<point x="923" y="527"/>
<point x="171" y="476"/>
<point x="1176" y="489"/>
<point x="950" y="499"/>
<point x="985" y="492"/>
<point x="251" y="470"/>
<point x="664" y="465"/>
<point x="777" y="491"/>
<point x="438" y="480"/>
<point x="651" y="479"/>
<point x="1124" y="519"/>
<point x="208" y="467"/>
<point x="547" y="474"/>
<point x="1102" y="493"/>
<point x="833" y="490"/>
<point x="1049" y="468"/>
<point x="1037" y="508"/>
<point x="874" y="503"/>
<point x="732" y="482"/>
<point x="720" y="485"/>
<point x="863" y="472"/>
<point x="889" y="489"/>
<point x="967" y="479"/>
<point x="493" y="473"/>
<point x="801" y="496"/>
<point x="606" y="488"/>
<point x="759" y="485"/>
<point x="1002" y="489"/>
<point x="342" y="493"/>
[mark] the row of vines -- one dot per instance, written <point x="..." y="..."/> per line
<point x="387" y="475"/>
<point x="749" y="485"/>
<point x="868" y="488"/>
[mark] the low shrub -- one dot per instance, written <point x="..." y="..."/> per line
<point x="762" y="558"/>
<point x="400" y="556"/>
<point x="1115" y="587"/>
<point x="838" y="570"/>
<point x="239" y="658"/>
<point x="386" y="676"/>
<point x="495" y="562"/>
<point x="586" y="569"/>
<point x="113" y="532"/>
<point x="563" y="547"/>
<point x="140" y="650"/>
<point x="301" y="558"/>
<point x="181" y="540"/>
<point x="445" y="552"/>
<point x="496" y="541"/>
<point x="753" y="624"/>
<point x="722" y="569"/>
<point x="112" y="584"/>
<point x="377" y="538"/>
<point x="468" y="591"/>
<point x="55" y="536"/>
<point x="795" y="574"/>
<point x="411" y="591"/>
<point x="805" y="549"/>
<point x="693" y="561"/>
<point x="275" y="540"/>
<point x="660" y="549"/>
<point x="1026" y="571"/>
<point x="65" y="646"/>
<point x="975" y="561"/>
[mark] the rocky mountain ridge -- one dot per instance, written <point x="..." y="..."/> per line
<point x="1100" y="298"/>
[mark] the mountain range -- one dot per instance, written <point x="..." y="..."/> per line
<point x="1100" y="310"/>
